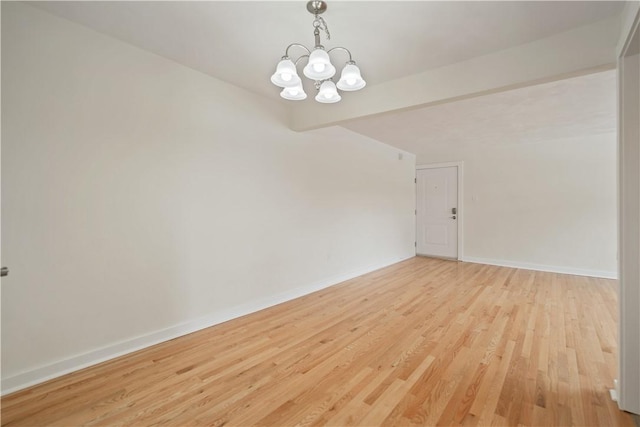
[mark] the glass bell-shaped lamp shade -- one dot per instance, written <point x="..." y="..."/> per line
<point x="286" y="74"/>
<point x="319" y="66"/>
<point x="328" y="93"/>
<point x="350" y="79"/>
<point x="294" y="93"/>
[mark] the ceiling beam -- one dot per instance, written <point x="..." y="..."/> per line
<point x="579" y="51"/>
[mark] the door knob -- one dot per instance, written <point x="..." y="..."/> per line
<point x="4" y="271"/>
<point x="454" y="217"/>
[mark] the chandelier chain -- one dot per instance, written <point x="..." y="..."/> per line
<point x="320" y="23"/>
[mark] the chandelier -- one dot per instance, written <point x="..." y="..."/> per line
<point x="318" y="68"/>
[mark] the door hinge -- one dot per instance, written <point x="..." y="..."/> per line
<point x="415" y="244"/>
<point x="415" y="212"/>
<point x="415" y="180"/>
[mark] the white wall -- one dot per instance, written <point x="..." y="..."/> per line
<point x="142" y="199"/>
<point x="548" y="205"/>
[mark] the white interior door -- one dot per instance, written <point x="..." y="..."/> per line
<point x="437" y="212"/>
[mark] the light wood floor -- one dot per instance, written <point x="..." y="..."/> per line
<point x="424" y="342"/>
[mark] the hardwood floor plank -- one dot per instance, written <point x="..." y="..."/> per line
<point x="424" y="342"/>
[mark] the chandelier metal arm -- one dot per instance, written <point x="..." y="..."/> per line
<point x="351" y="61"/>
<point x="298" y="60"/>
<point x="286" y="52"/>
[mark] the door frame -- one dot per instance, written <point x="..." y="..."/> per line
<point x="460" y="213"/>
<point x="628" y="383"/>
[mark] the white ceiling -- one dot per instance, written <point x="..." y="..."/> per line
<point x="240" y="42"/>
<point x="572" y="108"/>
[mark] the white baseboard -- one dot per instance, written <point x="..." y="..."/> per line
<point x="540" y="267"/>
<point x="74" y="363"/>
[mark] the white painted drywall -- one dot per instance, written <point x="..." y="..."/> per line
<point x="548" y="205"/>
<point x="575" y="52"/>
<point x="539" y="170"/>
<point x="142" y="199"/>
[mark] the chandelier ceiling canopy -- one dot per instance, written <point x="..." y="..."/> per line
<point x="319" y="67"/>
